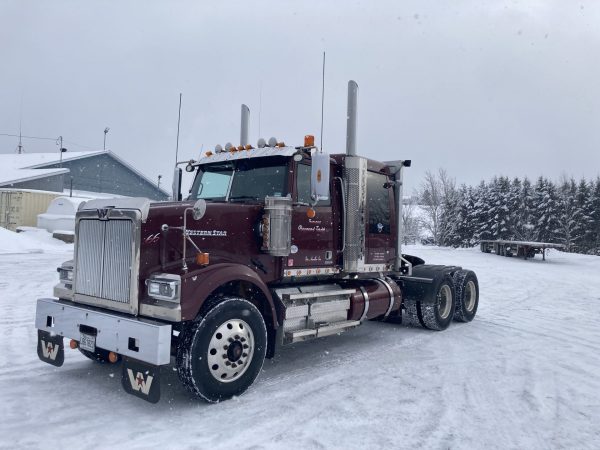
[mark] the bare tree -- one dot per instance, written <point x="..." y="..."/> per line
<point x="430" y="196"/>
<point x="438" y="192"/>
<point x="410" y="223"/>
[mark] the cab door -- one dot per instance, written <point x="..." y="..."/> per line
<point x="381" y="228"/>
<point x="313" y="250"/>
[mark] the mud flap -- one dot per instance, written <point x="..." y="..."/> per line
<point x="50" y="348"/>
<point x="141" y="379"/>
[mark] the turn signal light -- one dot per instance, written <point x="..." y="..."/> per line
<point x="311" y="213"/>
<point x="202" y="259"/>
<point x="73" y="344"/>
<point x="309" y="140"/>
<point x="113" y="357"/>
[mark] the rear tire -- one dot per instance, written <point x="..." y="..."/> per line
<point x="220" y="354"/>
<point x="438" y="315"/>
<point x="467" y="295"/>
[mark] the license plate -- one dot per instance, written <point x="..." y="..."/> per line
<point x="87" y="342"/>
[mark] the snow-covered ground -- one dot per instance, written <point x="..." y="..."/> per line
<point x="524" y="374"/>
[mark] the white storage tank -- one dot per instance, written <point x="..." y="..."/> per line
<point x="60" y="215"/>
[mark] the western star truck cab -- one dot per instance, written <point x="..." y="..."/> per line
<point x="274" y="245"/>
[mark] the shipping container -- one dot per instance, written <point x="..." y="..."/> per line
<point x="20" y="207"/>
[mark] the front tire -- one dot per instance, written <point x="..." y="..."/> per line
<point x="221" y="353"/>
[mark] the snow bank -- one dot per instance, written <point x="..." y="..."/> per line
<point x="30" y="240"/>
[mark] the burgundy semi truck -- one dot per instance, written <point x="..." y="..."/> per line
<point x="274" y="245"/>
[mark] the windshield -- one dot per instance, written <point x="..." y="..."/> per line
<point x="249" y="179"/>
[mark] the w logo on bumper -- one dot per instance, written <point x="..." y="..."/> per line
<point x="49" y="350"/>
<point x="139" y="383"/>
<point x="141" y="379"/>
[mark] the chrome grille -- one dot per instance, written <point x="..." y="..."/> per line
<point x="104" y="258"/>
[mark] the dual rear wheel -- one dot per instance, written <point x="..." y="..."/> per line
<point x="456" y="297"/>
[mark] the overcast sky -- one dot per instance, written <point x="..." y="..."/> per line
<point x="480" y="88"/>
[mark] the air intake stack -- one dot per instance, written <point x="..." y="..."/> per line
<point x="356" y="188"/>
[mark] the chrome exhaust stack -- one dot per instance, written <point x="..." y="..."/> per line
<point x="355" y="174"/>
<point x="351" y="118"/>
<point x="244" y="125"/>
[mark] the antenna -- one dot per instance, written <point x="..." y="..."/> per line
<point x="322" y="102"/>
<point x="178" y="122"/>
<point x="259" y="105"/>
<point x="20" y="146"/>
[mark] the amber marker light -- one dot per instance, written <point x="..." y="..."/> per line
<point x="309" y="140"/>
<point x="202" y="259"/>
<point x="241" y="147"/>
<point x="249" y="147"/>
<point x="209" y="153"/>
<point x="113" y="357"/>
<point x="73" y="344"/>
<point x="310" y="212"/>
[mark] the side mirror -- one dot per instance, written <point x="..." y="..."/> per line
<point x="199" y="209"/>
<point x="177" y="184"/>
<point x="319" y="176"/>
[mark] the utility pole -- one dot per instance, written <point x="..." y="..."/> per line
<point x="106" y="130"/>
<point x="61" y="149"/>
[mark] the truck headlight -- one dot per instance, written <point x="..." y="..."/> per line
<point x="65" y="273"/>
<point x="164" y="286"/>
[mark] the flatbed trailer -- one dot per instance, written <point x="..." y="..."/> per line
<point x="522" y="249"/>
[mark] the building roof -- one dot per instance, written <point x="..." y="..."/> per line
<point x="16" y="167"/>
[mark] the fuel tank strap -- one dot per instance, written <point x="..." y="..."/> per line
<point x="391" y="291"/>
<point x="366" y="310"/>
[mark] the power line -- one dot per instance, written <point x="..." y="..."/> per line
<point x="49" y="139"/>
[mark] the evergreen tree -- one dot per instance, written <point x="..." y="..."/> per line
<point x="568" y="213"/>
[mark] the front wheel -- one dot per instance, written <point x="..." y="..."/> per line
<point x="220" y="354"/>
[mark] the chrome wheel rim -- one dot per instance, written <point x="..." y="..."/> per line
<point x="230" y="350"/>
<point x="470" y="296"/>
<point x="445" y="301"/>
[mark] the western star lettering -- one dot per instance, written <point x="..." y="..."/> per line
<point x="219" y="233"/>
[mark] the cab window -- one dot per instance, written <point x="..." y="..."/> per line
<point x="378" y="200"/>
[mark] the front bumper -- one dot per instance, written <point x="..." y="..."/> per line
<point x="137" y="338"/>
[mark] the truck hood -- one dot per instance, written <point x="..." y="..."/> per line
<point x="227" y="231"/>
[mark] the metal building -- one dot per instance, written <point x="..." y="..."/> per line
<point x="100" y="171"/>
